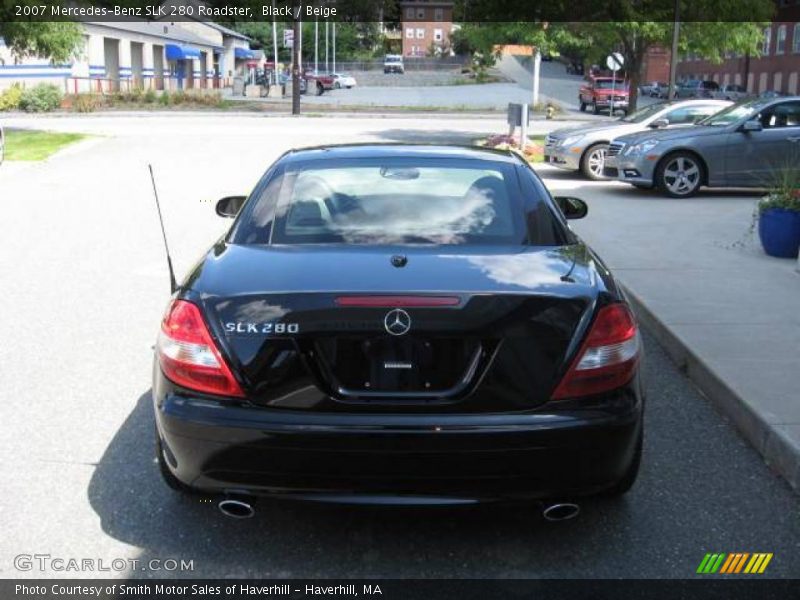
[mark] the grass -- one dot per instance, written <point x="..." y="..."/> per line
<point x="37" y="145"/>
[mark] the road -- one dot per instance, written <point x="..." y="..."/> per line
<point x="84" y="286"/>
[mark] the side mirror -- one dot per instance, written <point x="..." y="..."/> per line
<point x="573" y="208"/>
<point x="230" y="205"/>
<point x="660" y="123"/>
<point x="752" y="126"/>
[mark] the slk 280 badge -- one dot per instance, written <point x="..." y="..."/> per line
<point x="268" y="328"/>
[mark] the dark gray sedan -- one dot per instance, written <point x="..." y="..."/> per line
<point x="744" y="145"/>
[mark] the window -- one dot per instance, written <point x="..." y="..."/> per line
<point x="402" y="200"/>
<point x="420" y="13"/>
<point x="420" y="33"/>
<point x="765" y="47"/>
<point x="437" y="35"/>
<point x="438" y="14"/>
<point x="690" y="114"/>
<point x="409" y="13"/>
<point x="786" y="114"/>
<point x="410" y="33"/>
<point x="780" y="40"/>
<point x="796" y="39"/>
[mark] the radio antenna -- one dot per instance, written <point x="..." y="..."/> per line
<point x="172" y="284"/>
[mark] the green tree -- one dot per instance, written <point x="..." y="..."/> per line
<point x="59" y="41"/>
<point x="631" y="27"/>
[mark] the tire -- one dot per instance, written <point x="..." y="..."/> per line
<point x="629" y="478"/>
<point x="592" y="161"/>
<point x="582" y="105"/>
<point x="680" y="174"/>
<point x="337" y="86"/>
<point x="595" y="108"/>
<point x="320" y="89"/>
<point x="172" y="482"/>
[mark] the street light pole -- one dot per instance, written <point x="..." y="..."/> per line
<point x="327" y="64"/>
<point x="333" y="27"/>
<point x="673" y="59"/>
<point x="295" y="67"/>
<point x="316" y="46"/>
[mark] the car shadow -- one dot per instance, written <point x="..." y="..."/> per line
<point x="287" y="538"/>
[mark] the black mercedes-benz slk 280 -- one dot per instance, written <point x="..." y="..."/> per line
<point x="399" y="324"/>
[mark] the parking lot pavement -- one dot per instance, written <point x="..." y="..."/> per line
<point x="85" y="284"/>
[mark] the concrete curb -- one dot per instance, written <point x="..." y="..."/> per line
<point x="780" y="451"/>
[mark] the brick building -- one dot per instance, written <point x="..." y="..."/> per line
<point x="426" y="27"/>
<point x="778" y="67"/>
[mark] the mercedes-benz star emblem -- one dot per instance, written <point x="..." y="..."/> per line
<point x="397" y="322"/>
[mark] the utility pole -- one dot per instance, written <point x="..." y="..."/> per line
<point x="296" y="67"/>
<point x="333" y="27"/>
<point x="673" y="59"/>
<point x="316" y="47"/>
<point x="327" y="64"/>
<point x="537" y="65"/>
<point x="274" y="45"/>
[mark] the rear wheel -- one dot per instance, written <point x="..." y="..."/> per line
<point x="337" y="85"/>
<point x="593" y="160"/>
<point x="679" y="175"/>
<point x="320" y="89"/>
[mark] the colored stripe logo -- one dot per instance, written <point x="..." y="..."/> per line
<point x="735" y="562"/>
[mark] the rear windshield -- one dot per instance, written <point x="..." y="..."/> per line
<point x="396" y="201"/>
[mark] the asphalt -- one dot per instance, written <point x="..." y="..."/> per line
<point x="84" y="284"/>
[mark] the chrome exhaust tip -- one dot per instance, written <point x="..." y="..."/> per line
<point x="561" y="512"/>
<point x="236" y="509"/>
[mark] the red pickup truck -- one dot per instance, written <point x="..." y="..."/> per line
<point x="598" y="91"/>
<point x="318" y="83"/>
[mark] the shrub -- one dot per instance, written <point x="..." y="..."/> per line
<point x="164" y="99"/>
<point x="150" y="96"/>
<point x="86" y="103"/>
<point x="9" y="99"/>
<point x="40" y="98"/>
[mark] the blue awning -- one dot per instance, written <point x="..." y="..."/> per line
<point x="181" y="52"/>
<point x="243" y="53"/>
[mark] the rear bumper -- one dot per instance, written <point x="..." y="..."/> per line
<point x="217" y="448"/>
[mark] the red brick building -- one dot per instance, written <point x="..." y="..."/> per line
<point x="426" y="28"/>
<point x="778" y="67"/>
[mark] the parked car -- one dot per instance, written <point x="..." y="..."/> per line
<point x="504" y="368"/>
<point x="600" y="92"/>
<point x="343" y="80"/>
<point x="731" y="92"/>
<point x="660" y="90"/>
<point x="319" y="83"/>
<point x="393" y="63"/>
<point x="742" y="146"/>
<point x="767" y="94"/>
<point x="696" y="88"/>
<point x="650" y="88"/>
<point x="584" y="148"/>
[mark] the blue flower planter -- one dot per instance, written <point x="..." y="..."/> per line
<point x="779" y="230"/>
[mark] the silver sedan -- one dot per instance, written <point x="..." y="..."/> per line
<point x="584" y="148"/>
<point x="748" y="144"/>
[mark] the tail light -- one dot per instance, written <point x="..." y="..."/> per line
<point x="607" y="360"/>
<point x="188" y="356"/>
